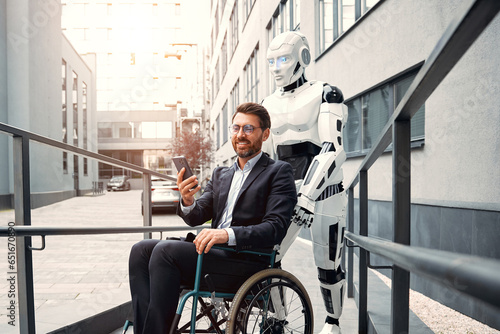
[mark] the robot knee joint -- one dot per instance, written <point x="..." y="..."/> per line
<point x="331" y="276"/>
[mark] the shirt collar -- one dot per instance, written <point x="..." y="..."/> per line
<point x="249" y="165"/>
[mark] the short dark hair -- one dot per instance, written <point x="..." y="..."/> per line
<point x="255" y="109"/>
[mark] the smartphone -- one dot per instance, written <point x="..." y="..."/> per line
<point x="180" y="162"/>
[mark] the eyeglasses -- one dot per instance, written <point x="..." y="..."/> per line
<point x="247" y="129"/>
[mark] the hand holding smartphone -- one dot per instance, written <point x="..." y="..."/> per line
<point x="181" y="162"/>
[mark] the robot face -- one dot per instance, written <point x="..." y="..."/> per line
<point x="288" y="55"/>
<point x="282" y="67"/>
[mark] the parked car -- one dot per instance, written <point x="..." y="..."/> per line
<point x="164" y="194"/>
<point x="118" y="183"/>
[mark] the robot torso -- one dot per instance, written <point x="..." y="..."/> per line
<point x="294" y="114"/>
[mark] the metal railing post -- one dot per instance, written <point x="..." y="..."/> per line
<point x="22" y="207"/>
<point x="350" y="250"/>
<point x="146" y="202"/>
<point x="363" y="269"/>
<point x="401" y="198"/>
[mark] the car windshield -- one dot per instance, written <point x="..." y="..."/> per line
<point x="117" y="178"/>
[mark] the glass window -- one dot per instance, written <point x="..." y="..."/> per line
<point x="75" y="109"/>
<point x="84" y="115"/>
<point x="247" y="8"/>
<point x="234" y="28"/>
<point x="338" y="16"/>
<point x="235" y="98"/>
<point x="224" y="57"/>
<point x="369" y="113"/>
<point x="217" y="131"/>
<point x="252" y="78"/>
<point x="225" y="124"/>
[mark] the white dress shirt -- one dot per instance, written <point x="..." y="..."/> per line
<point x="239" y="177"/>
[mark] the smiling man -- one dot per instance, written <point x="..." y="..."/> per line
<point x="250" y="204"/>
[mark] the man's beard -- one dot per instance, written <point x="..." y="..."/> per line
<point x="251" y="150"/>
<point x="246" y="154"/>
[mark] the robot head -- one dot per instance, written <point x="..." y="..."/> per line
<point x="288" y="56"/>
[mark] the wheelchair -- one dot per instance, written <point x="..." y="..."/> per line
<point x="271" y="301"/>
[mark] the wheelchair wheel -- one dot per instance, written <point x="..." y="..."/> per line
<point x="271" y="301"/>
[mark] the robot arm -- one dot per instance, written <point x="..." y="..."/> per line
<point x="324" y="174"/>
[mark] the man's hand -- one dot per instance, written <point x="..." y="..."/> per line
<point x="209" y="237"/>
<point x="185" y="187"/>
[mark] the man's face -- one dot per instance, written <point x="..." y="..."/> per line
<point x="248" y="145"/>
<point x="282" y="63"/>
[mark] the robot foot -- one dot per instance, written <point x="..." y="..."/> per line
<point x="331" y="327"/>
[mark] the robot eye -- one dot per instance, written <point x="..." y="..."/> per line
<point x="283" y="59"/>
<point x="271" y="62"/>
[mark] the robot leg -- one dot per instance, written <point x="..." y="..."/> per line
<point x="328" y="241"/>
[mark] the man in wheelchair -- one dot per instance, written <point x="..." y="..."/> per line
<point x="250" y="204"/>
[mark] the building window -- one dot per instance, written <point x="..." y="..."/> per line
<point x="216" y="23"/>
<point x="224" y="57"/>
<point x="75" y="109"/>
<point x="233" y="23"/>
<point x="252" y="78"/>
<point x="85" y="167"/>
<point x="235" y="97"/>
<point x="104" y="130"/>
<point x="337" y="16"/>
<point x="285" y="18"/>
<point x="217" y="132"/>
<point x="370" y="111"/>
<point x="247" y="8"/>
<point x="217" y="78"/>
<point x="225" y="124"/>
<point x="64" y="114"/>
<point x="84" y="115"/>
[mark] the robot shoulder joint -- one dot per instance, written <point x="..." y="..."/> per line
<point x="332" y="94"/>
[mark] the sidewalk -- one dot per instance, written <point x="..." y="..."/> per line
<point x="77" y="277"/>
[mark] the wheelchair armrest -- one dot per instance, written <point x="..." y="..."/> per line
<point x="258" y="251"/>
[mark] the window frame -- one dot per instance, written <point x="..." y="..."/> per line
<point x="416" y="141"/>
<point x="360" y="12"/>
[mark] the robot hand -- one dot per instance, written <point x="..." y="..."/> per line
<point x="303" y="213"/>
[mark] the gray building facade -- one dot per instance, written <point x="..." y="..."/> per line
<point x="48" y="89"/>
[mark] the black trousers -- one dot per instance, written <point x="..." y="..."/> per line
<point x="158" y="269"/>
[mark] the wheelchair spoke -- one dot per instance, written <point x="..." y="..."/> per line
<point x="273" y="302"/>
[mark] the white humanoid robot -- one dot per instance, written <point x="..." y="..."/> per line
<point x="308" y="118"/>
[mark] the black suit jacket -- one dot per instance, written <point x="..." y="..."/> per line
<point x="263" y="209"/>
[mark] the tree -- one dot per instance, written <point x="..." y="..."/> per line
<point x="197" y="150"/>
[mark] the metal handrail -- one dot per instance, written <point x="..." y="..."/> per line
<point x="472" y="18"/>
<point x="16" y="132"/>
<point x="472" y="275"/>
<point x="28" y="231"/>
